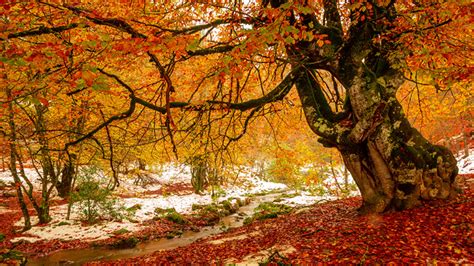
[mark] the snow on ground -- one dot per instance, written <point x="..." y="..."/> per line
<point x="154" y="179"/>
<point x="30" y="173"/>
<point x="466" y="164"/>
<point x="182" y="204"/>
<point x="306" y="199"/>
<point x="172" y="173"/>
<point x="60" y="228"/>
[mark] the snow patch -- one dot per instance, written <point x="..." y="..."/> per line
<point x="60" y="228"/>
<point x="182" y="204"/>
<point x="306" y="199"/>
<point x="466" y="164"/>
<point x="31" y="174"/>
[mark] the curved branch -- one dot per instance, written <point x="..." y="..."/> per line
<point x="111" y="22"/>
<point x="277" y="94"/>
<point x="319" y="116"/>
<point x="120" y="116"/>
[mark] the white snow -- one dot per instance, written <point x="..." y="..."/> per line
<point x="166" y="174"/>
<point x="466" y="164"/>
<point x="306" y="199"/>
<point x="30" y="173"/>
<point x="172" y="173"/>
<point x="73" y="229"/>
<point x="182" y="204"/>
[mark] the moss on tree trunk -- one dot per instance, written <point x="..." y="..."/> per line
<point x="393" y="165"/>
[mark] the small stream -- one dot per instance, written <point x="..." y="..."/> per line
<point x="81" y="256"/>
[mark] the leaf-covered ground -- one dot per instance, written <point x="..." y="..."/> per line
<point x="333" y="232"/>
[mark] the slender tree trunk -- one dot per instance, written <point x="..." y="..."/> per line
<point x="50" y="176"/>
<point x="13" y="159"/>
<point x="43" y="213"/>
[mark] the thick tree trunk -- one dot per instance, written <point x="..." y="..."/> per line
<point x="391" y="163"/>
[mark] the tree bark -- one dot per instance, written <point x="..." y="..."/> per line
<point x="390" y="161"/>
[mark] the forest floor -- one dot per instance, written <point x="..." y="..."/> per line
<point x="169" y="189"/>
<point x="328" y="232"/>
<point x="333" y="232"/>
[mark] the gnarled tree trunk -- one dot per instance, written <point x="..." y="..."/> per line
<point x="390" y="161"/>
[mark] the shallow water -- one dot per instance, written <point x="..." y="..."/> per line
<point x="81" y="256"/>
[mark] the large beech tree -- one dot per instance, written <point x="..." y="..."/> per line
<point x="213" y="67"/>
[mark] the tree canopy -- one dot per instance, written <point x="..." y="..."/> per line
<point x="125" y="79"/>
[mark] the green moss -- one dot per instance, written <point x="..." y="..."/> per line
<point x="173" y="234"/>
<point x="268" y="210"/>
<point x="120" y="231"/>
<point x="13" y="255"/>
<point x="248" y="220"/>
<point x="175" y="218"/>
<point x="125" y="243"/>
<point x="134" y="208"/>
<point x="272" y="207"/>
<point x="290" y="195"/>
<point x="227" y="205"/>
<point x="238" y="201"/>
<point x="161" y="211"/>
<point x="212" y="208"/>
<point x="196" y="207"/>
<point x="170" y="214"/>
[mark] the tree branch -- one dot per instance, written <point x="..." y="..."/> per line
<point x="423" y="29"/>
<point x="197" y="28"/>
<point x="44" y="30"/>
<point x="212" y="50"/>
<point x="121" y="116"/>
